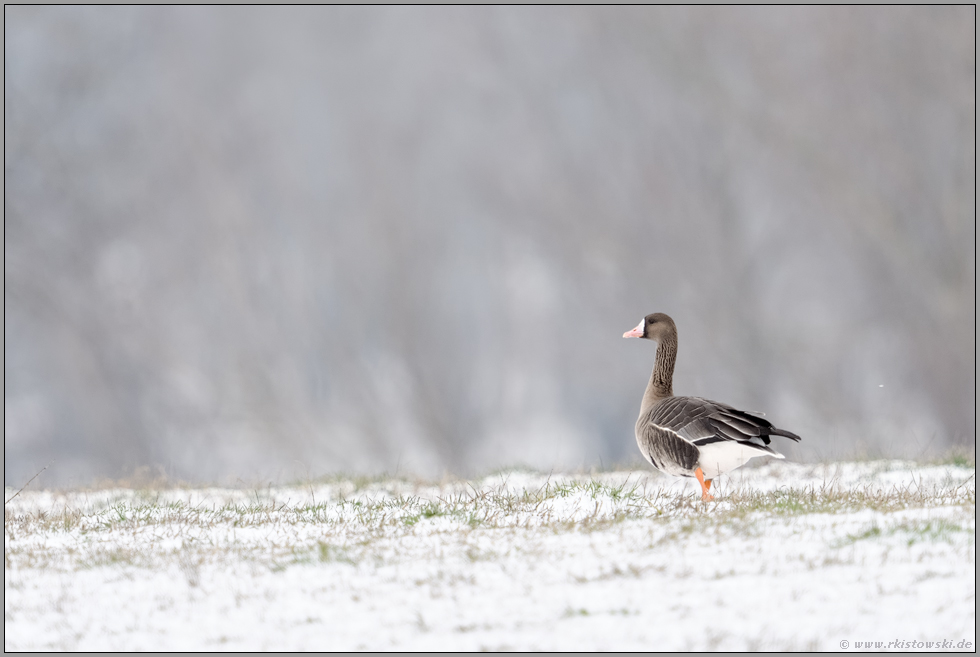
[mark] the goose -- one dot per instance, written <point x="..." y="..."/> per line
<point x="691" y="436"/>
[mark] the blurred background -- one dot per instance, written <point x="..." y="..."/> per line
<point x="273" y="243"/>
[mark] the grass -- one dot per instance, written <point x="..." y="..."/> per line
<point x="543" y="561"/>
<point x="350" y="521"/>
<point x="493" y="508"/>
<point x="488" y="509"/>
<point x="913" y="531"/>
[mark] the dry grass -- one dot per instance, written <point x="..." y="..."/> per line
<point x="348" y="521"/>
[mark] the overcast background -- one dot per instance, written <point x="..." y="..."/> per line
<point x="267" y="243"/>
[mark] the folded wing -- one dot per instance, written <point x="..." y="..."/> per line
<point x="703" y="422"/>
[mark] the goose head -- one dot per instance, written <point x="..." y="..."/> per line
<point x="653" y="327"/>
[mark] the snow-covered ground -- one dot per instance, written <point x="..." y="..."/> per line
<point x="788" y="556"/>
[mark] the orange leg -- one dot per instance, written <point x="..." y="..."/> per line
<point x="704" y="485"/>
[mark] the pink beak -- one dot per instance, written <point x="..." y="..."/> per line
<point x="635" y="333"/>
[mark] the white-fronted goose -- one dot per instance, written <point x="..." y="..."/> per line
<point x="690" y="436"/>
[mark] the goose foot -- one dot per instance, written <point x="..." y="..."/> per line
<point x="705" y="485"/>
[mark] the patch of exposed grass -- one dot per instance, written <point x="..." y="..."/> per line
<point x="914" y="531"/>
<point x="333" y="553"/>
<point x="938" y="529"/>
<point x="962" y="457"/>
<point x="871" y="532"/>
<point x="833" y="498"/>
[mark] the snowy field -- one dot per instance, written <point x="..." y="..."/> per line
<point x="788" y="556"/>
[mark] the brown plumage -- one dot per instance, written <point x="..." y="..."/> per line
<point x="691" y="436"/>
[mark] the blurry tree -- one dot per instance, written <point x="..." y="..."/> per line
<point x="273" y="242"/>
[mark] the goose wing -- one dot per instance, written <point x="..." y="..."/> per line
<point x="702" y="422"/>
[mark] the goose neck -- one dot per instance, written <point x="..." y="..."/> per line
<point x="661" y="380"/>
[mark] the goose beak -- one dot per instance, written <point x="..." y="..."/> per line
<point x="635" y="333"/>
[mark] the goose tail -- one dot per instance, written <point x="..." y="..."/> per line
<point x="785" y="434"/>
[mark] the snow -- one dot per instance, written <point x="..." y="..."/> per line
<point x="517" y="560"/>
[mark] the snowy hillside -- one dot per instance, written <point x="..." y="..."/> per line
<point x="789" y="556"/>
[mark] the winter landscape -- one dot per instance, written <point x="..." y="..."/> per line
<point x="788" y="557"/>
<point x="314" y="327"/>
